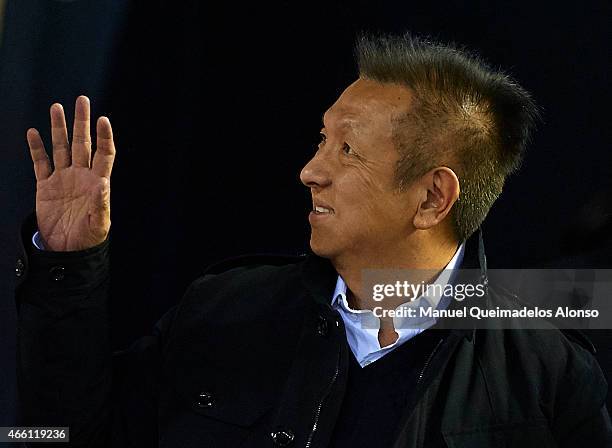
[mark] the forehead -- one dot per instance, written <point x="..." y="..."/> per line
<point x="366" y="103"/>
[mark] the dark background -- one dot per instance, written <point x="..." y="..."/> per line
<point x="216" y="109"/>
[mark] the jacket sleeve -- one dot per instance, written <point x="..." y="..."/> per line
<point x="582" y="418"/>
<point x="66" y="373"/>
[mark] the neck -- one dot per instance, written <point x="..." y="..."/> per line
<point x="417" y="253"/>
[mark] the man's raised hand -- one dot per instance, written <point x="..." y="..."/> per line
<point x="73" y="200"/>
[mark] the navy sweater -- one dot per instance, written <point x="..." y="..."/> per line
<point x="378" y="394"/>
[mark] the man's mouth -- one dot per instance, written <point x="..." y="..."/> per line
<point x="323" y="210"/>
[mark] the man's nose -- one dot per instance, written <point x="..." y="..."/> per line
<point x="316" y="172"/>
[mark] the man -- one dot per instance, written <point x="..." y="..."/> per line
<point x="273" y="352"/>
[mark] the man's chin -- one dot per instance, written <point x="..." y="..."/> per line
<point x="322" y="248"/>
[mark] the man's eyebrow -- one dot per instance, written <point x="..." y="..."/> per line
<point x="347" y="122"/>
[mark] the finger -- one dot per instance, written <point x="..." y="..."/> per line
<point x="42" y="166"/>
<point x="105" y="148"/>
<point x="59" y="137"/>
<point x="81" y="137"/>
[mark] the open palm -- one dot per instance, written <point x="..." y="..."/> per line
<point x="73" y="199"/>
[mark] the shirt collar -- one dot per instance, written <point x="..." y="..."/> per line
<point x="339" y="297"/>
<point x="362" y="325"/>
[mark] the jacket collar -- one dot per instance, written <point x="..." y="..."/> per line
<point x="475" y="257"/>
<point x="319" y="277"/>
<point x="473" y="270"/>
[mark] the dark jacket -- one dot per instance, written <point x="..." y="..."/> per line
<point x="254" y="356"/>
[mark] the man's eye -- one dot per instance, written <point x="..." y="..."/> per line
<point x="347" y="149"/>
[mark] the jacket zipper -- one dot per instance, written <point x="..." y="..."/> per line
<point x="427" y="361"/>
<point x="320" y="406"/>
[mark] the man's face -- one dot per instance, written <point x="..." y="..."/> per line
<point x="356" y="206"/>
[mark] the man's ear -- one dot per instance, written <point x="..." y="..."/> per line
<point x="440" y="190"/>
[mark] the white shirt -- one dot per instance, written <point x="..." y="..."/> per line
<point x="362" y="325"/>
<point x="36" y="241"/>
